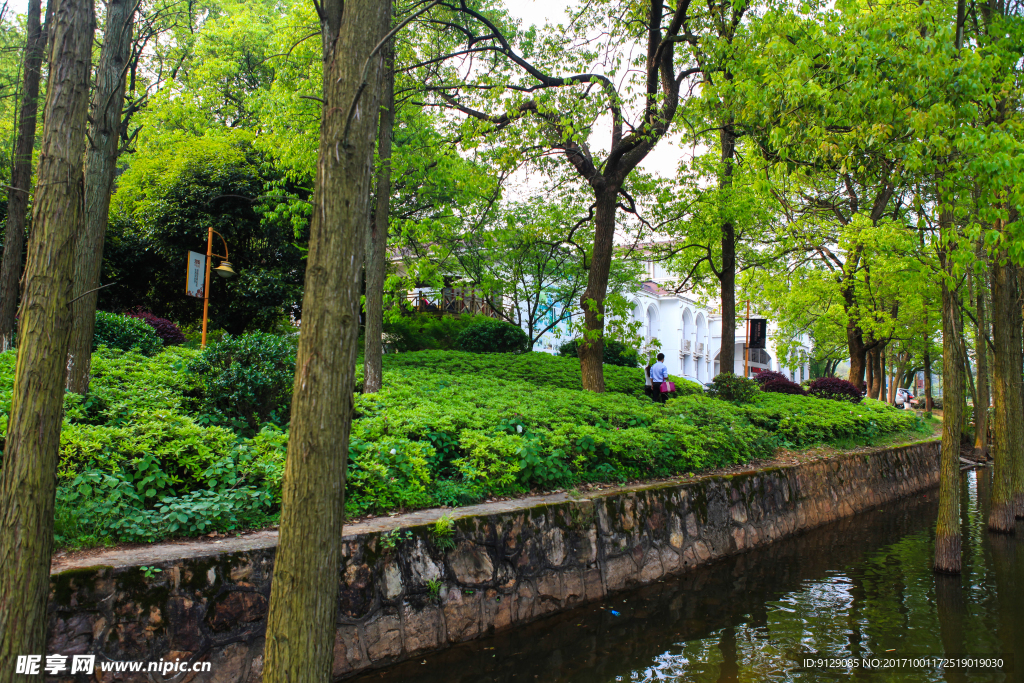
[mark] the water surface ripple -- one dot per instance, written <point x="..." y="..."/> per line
<point x="855" y="589"/>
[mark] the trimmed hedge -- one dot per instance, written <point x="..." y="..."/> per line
<point x="424" y="331"/>
<point x="125" y="333"/>
<point x="248" y="378"/>
<point x="732" y="387"/>
<point x="615" y="353"/>
<point x="494" y="336"/>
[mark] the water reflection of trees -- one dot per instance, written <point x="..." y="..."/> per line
<point x="856" y="588"/>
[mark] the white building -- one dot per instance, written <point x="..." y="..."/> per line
<point x="690" y="335"/>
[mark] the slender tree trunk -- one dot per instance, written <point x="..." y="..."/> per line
<point x="899" y="377"/>
<point x="869" y="373"/>
<point x="1008" y="429"/>
<point x="21" y="174"/>
<point x="100" y="167"/>
<point x="377" y="239"/>
<point x="947" y="530"/>
<point x="591" y="348"/>
<point x="727" y="279"/>
<point x="303" y="602"/>
<point x="28" y="479"/>
<point x="983" y="399"/>
<point x="929" y="402"/>
<point x="1017" y="463"/>
<point x="883" y="369"/>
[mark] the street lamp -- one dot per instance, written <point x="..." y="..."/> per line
<point x="224" y="270"/>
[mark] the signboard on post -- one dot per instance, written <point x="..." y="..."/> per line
<point x="758" y="333"/>
<point x="195" y="280"/>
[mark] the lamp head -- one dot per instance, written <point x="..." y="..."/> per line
<point x="224" y="270"/>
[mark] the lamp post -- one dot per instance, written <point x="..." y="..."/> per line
<point x="747" y="346"/>
<point x="224" y="270"/>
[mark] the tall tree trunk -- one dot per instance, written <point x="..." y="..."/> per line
<point x="869" y="373"/>
<point x="727" y="279"/>
<point x="377" y="238"/>
<point x="1008" y="429"/>
<point x="21" y="174"/>
<point x="858" y="356"/>
<point x="929" y="402"/>
<point x="304" y="595"/>
<point x="883" y="370"/>
<point x="100" y="167"/>
<point x="947" y="530"/>
<point x="1017" y="463"/>
<point x="28" y="480"/>
<point x="591" y="348"/>
<point x="983" y="399"/>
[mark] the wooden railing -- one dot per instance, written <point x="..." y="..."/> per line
<point x="448" y="301"/>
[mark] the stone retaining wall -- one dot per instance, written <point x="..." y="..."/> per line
<point x="413" y="592"/>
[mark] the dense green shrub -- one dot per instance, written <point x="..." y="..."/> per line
<point x="732" y="387"/>
<point x="125" y="333"/>
<point x="801" y="421"/>
<point x="137" y="466"/>
<point x="130" y="505"/>
<point x="835" y="389"/>
<point x="247" y="378"/>
<point x="541" y="369"/>
<point x="494" y="336"/>
<point x="615" y="353"/>
<point x="426" y="331"/>
<point x="164" y="328"/>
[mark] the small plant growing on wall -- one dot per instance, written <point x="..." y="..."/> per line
<point x="443" y="533"/>
<point x="434" y="589"/>
<point x="389" y="540"/>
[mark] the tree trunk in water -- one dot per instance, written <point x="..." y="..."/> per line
<point x="1017" y="463"/>
<point x="982" y="400"/>
<point x="377" y="239"/>
<point x="28" y="480"/>
<point x="591" y="348"/>
<point x="727" y="279"/>
<point x="1006" y="370"/>
<point x="21" y="174"/>
<point x="952" y="613"/>
<point x="100" y="167"/>
<point x="303" y="602"/>
<point x="947" y="530"/>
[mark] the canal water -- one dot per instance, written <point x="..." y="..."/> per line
<point x="859" y="594"/>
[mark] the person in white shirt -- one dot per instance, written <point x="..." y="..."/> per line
<point x="659" y="375"/>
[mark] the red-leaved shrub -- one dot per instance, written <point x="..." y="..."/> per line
<point x="165" y="329"/>
<point x="766" y="376"/>
<point x="782" y="385"/>
<point x="835" y="389"/>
